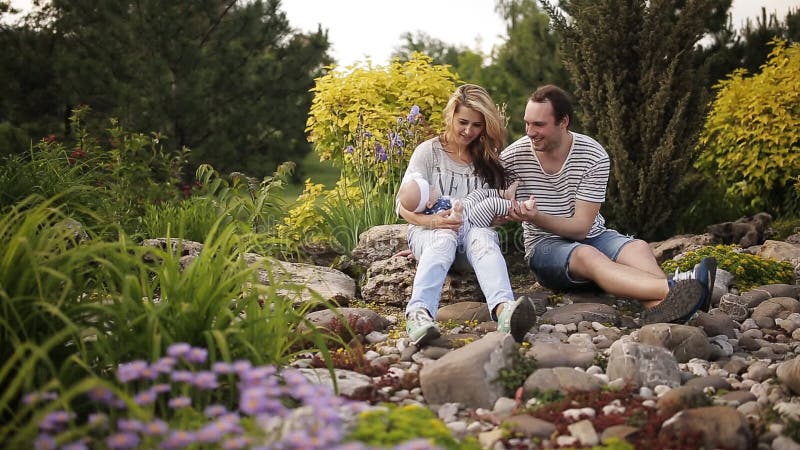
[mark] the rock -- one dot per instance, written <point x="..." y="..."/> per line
<point x="584" y="431"/>
<point x="469" y="375"/>
<point x="685" y="342"/>
<point x="345" y="321"/>
<point x="779" y="251"/>
<point x="640" y="365"/>
<point x="780" y="290"/>
<point x="464" y="312"/>
<point x="330" y="284"/>
<point x="674" y="246"/>
<point x="745" y="232"/>
<point x="680" y="398"/>
<point x="775" y="308"/>
<point x="715" y="323"/>
<point x="557" y="354"/>
<point x="789" y="374"/>
<point x="378" y="243"/>
<point x="574" y="313"/>
<point x="720" y="427"/>
<point x="736" y="307"/>
<point x="389" y="282"/>
<point x="529" y="426"/>
<point x="347" y="381"/>
<point x="561" y="379"/>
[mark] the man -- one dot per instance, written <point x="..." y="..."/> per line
<point x="567" y="245"/>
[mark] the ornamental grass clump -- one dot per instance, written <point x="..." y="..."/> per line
<point x="748" y="270"/>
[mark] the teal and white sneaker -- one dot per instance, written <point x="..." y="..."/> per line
<point x="420" y="327"/>
<point x="517" y="318"/>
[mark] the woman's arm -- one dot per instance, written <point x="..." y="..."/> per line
<point x="439" y="220"/>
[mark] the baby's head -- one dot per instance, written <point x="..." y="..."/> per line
<point x="415" y="194"/>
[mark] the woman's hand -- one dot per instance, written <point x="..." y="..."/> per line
<point x="444" y="220"/>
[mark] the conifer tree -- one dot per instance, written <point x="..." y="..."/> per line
<point x="641" y="96"/>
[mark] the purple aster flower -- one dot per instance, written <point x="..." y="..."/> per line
<point x="97" y="421"/>
<point x="349" y="149"/>
<point x="197" y="355"/>
<point x="155" y="428"/>
<point x="77" y="445"/>
<point x="222" y="368"/>
<point x="367" y="134"/>
<point x="416" y="444"/>
<point x="180" y="402"/>
<point x="205" y="380"/>
<point x="164" y="365"/>
<point x="36" y="397"/>
<point x="242" y="366"/>
<point x="215" y="410"/>
<point x="235" y="443"/>
<point x="100" y="394"/>
<point x="183" y="376"/>
<point x="177" y="440"/>
<point x="256" y="375"/>
<point x="178" y="349"/>
<point x="131" y="371"/>
<point x="329" y="435"/>
<point x="129" y="425"/>
<point x="122" y="441"/>
<point x="211" y="432"/>
<point x="252" y="400"/>
<point x="161" y="388"/>
<point x="55" y="421"/>
<point x="45" y="442"/>
<point x="146" y="397"/>
<point x="351" y="446"/>
<point x="380" y="152"/>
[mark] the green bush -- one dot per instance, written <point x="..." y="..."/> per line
<point x="396" y="424"/>
<point x="751" y="139"/>
<point x="748" y="270"/>
<point x="13" y="140"/>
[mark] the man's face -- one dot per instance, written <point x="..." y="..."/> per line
<point x="541" y="127"/>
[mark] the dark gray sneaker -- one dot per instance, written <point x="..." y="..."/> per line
<point x="706" y="273"/>
<point x="681" y="304"/>
<point x="517" y="318"/>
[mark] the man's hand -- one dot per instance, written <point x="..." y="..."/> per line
<point x="523" y="211"/>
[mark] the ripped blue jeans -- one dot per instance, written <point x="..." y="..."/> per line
<point x="435" y="251"/>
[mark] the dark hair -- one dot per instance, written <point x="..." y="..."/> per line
<point x="559" y="98"/>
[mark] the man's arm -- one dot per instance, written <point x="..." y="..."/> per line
<point x="575" y="227"/>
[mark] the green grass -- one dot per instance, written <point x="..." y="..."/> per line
<point x="311" y="167"/>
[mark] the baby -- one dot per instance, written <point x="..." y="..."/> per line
<point x="479" y="207"/>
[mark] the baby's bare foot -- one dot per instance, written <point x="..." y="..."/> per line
<point x="530" y="203"/>
<point x="458" y="210"/>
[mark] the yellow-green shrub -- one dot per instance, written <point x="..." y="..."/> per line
<point x="751" y="139"/>
<point x="372" y="98"/>
<point x="367" y="121"/>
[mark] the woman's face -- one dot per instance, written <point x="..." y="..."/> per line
<point x="468" y="125"/>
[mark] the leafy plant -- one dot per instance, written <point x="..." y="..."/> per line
<point x="750" y="139"/>
<point x="748" y="270"/>
<point x="393" y="424"/>
<point x="522" y="366"/>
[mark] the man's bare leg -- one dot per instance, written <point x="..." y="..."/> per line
<point x="588" y="263"/>
<point x="639" y="255"/>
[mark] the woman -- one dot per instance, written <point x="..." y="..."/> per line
<point x="463" y="158"/>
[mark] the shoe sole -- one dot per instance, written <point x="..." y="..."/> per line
<point x="684" y="299"/>
<point x="712" y="276"/>
<point x="522" y="319"/>
<point x="431" y="334"/>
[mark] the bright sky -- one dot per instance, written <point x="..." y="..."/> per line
<point x="358" y="29"/>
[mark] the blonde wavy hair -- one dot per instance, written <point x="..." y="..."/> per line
<point x="485" y="150"/>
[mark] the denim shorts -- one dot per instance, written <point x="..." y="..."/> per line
<point x="550" y="259"/>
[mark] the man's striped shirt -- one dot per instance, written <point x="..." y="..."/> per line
<point x="583" y="176"/>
